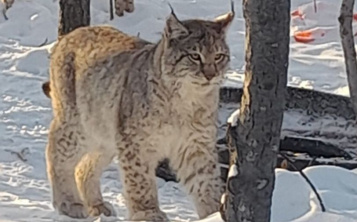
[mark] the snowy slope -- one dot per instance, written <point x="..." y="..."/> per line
<point x="25" y="112"/>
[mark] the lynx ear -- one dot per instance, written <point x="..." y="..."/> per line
<point x="174" y="28"/>
<point x="225" y="20"/>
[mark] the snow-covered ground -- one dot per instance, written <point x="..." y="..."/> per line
<point x="25" y="112"/>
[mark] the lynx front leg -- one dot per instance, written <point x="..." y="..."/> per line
<point x="140" y="191"/>
<point x="62" y="155"/>
<point x="88" y="173"/>
<point x="198" y="171"/>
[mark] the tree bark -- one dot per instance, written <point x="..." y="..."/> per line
<point x="73" y="14"/>
<point x="348" y="45"/>
<point x="111" y="10"/>
<point x="251" y="180"/>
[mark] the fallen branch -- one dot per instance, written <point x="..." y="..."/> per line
<point x="312" y="147"/>
<point x="312" y="151"/>
<point x="310" y="101"/>
<point x="21" y="154"/>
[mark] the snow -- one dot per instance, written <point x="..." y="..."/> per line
<point x="233" y="171"/>
<point x="25" y="112"/>
<point x="294" y="200"/>
<point x="233" y="118"/>
<point x="223" y="198"/>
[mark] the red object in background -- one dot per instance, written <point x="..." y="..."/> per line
<point x="309" y="35"/>
<point x="355" y="18"/>
<point x="297" y="13"/>
<point x="303" y="36"/>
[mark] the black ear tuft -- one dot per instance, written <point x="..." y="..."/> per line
<point x="225" y="20"/>
<point x="174" y="28"/>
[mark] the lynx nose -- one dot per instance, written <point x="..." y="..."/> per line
<point x="209" y="76"/>
<point x="209" y="72"/>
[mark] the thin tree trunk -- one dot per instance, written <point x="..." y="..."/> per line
<point x="73" y="14"/>
<point x="348" y="45"/>
<point x="251" y="179"/>
<point x="111" y="9"/>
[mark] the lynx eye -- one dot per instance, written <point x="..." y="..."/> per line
<point x="195" y="57"/>
<point x="219" y="57"/>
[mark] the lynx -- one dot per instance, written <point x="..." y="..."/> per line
<point x="118" y="96"/>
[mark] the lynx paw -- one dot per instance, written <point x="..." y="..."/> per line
<point x="150" y="215"/>
<point x="74" y="210"/>
<point x="104" y="208"/>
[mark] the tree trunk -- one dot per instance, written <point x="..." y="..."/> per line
<point x="73" y="14"/>
<point x="251" y="178"/>
<point x="348" y="45"/>
<point x="111" y="10"/>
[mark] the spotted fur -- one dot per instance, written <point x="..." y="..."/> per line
<point x="115" y="95"/>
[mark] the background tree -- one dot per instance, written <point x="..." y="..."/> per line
<point x="348" y="45"/>
<point x="73" y="14"/>
<point x="251" y="178"/>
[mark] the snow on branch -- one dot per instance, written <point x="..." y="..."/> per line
<point x="233" y="118"/>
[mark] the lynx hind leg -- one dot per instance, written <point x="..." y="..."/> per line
<point x="139" y="182"/>
<point x="123" y="5"/>
<point x="62" y="155"/>
<point x="198" y="172"/>
<point x="88" y="173"/>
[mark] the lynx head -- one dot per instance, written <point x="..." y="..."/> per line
<point x="196" y="51"/>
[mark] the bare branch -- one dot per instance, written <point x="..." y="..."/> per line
<point x="4" y="14"/>
<point x="323" y="209"/>
<point x="21" y="155"/>
<point x="44" y="43"/>
<point x="315" y="6"/>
